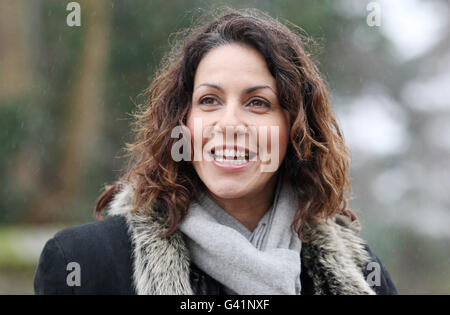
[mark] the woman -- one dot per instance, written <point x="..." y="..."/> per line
<point x="237" y="181"/>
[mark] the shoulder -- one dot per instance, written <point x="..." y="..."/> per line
<point x="338" y="261"/>
<point x="377" y="275"/>
<point x="99" y="241"/>
<point x="101" y="251"/>
<point x="94" y="234"/>
<point x="374" y="270"/>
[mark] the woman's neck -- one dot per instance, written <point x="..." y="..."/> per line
<point x="249" y="209"/>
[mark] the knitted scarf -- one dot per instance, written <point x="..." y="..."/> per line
<point x="263" y="261"/>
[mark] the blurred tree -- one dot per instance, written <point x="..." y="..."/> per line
<point x="84" y="114"/>
<point x="15" y="74"/>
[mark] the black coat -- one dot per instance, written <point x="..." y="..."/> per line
<point x="104" y="252"/>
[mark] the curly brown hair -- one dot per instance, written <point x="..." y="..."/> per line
<point x="317" y="160"/>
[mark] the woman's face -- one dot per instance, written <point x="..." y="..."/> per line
<point x="244" y="131"/>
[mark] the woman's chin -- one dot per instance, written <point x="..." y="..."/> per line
<point x="228" y="189"/>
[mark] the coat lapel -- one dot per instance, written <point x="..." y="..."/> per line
<point x="335" y="258"/>
<point x="161" y="266"/>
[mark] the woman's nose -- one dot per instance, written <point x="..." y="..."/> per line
<point x="231" y="117"/>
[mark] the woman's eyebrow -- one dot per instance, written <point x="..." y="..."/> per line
<point x="247" y="91"/>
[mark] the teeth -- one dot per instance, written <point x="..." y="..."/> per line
<point x="235" y="162"/>
<point x="229" y="153"/>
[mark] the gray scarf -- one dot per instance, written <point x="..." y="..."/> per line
<point x="265" y="261"/>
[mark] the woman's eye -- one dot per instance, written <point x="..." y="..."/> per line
<point x="209" y="101"/>
<point x="258" y="103"/>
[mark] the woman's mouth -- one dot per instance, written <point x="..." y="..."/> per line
<point x="232" y="158"/>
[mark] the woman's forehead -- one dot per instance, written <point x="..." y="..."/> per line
<point x="234" y="63"/>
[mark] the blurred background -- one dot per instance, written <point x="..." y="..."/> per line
<point x="66" y="94"/>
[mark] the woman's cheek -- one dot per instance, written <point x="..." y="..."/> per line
<point x="272" y="144"/>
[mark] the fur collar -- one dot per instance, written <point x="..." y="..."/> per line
<point x="334" y="259"/>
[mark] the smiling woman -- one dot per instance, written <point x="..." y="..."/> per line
<point x="226" y="223"/>
<point x="244" y="95"/>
